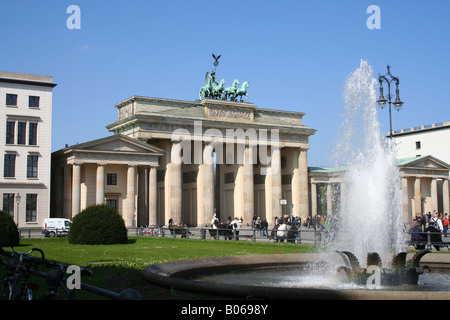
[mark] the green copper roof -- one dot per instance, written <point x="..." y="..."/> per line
<point x="400" y="162"/>
<point x="403" y="161"/>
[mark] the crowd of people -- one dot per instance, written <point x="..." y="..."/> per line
<point x="284" y="228"/>
<point x="434" y="223"/>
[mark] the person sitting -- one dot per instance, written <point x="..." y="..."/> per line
<point x="292" y="234"/>
<point x="435" y="235"/>
<point x="282" y="232"/>
<point x="417" y="235"/>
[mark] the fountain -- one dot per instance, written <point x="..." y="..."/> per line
<point x="370" y="226"/>
<point x="370" y="217"/>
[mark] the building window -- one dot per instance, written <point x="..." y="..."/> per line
<point x="10" y="132"/>
<point x="8" y="203"/>
<point x="33" y="102"/>
<point x="11" y="99"/>
<point x="9" y="170"/>
<point x="112" y="203"/>
<point x="32" y="135"/>
<point x="111" y="179"/>
<point x="418" y="146"/>
<point x="31" y="209"/>
<point x="21" y="132"/>
<point x="32" y="166"/>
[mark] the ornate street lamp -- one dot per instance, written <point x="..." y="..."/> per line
<point x="388" y="78"/>
<point x="18" y="197"/>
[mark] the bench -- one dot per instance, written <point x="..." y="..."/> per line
<point x="178" y="230"/>
<point x="429" y="245"/>
<point x="428" y="241"/>
<point x="293" y="236"/>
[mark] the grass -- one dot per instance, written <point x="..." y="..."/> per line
<point x="117" y="267"/>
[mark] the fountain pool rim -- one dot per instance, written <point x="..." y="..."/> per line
<point x="176" y="274"/>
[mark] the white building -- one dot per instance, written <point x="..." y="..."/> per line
<point x="25" y="146"/>
<point x="433" y="139"/>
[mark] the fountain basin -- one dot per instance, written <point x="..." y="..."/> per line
<point x="181" y="275"/>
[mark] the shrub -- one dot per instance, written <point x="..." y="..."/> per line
<point x="98" y="224"/>
<point x="9" y="234"/>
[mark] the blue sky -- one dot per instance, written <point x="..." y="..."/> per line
<point x="295" y="54"/>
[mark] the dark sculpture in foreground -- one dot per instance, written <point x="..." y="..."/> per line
<point x="399" y="273"/>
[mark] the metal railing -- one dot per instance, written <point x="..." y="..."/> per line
<point x="427" y="240"/>
<point x="317" y="236"/>
<point x="300" y="235"/>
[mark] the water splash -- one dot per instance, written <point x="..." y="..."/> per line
<point x="370" y="217"/>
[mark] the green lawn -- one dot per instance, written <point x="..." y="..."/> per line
<point x="117" y="267"/>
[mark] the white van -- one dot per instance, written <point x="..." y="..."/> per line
<point x="52" y="227"/>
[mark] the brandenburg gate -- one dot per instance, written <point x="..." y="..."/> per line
<point x="186" y="160"/>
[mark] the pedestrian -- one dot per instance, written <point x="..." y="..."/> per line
<point x="254" y="221"/>
<point x="437" y="222"/>
<point x="445" y="224"/>
<point x="264" y="226"/>
<point x="258" y="223"/>
<point x="214" y="221"/>
<point x="236" y="225"/>
<point x="229" y="231"/>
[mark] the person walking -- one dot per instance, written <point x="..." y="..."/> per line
<point x="445" y="224"/>
<point x="236" y="225"/>
<point x="264" y="226"/>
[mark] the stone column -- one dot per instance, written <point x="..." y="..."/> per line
<point x="303" y="180"/>
<point x="249" y="193"/>
<point x="76" y="188"/>
<point x="445" y="195"/>
<point x="417" y="197"/>
<point x="175" y="185"/>
<point x="128" y="215"/>
<point x="100" y="187"/>
<point x="300" y="186"/>
<point x="205" y="187"/>
<point x="273" y="186"/>
<point x="67" y="193"/>
<point x="329" y="199"/>
<point x="434" y="196"/>
<point x="313" y="199"/>
<point x="405" y="201"/>
<point x="152" y="197"/>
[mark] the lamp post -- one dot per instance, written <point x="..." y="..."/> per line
<point x="388" y="78"/>
<point x="18" y="197"/>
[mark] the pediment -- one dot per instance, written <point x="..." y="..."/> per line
<point x="117" y="143"/>
<point x="424" y="162"/>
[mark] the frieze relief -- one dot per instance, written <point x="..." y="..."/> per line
<point x="228" y="112"/>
